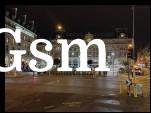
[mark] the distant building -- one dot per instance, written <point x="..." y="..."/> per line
<point x="27" y="36"/>
<point x="117" y="45"/>
<point x="41" y="47"/>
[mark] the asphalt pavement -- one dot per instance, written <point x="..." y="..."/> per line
<point x="69" y="93"/>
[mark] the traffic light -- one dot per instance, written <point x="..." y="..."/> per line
<point x="130" y="53"/>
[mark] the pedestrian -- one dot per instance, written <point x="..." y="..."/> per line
<point x="23" y="66"/>
<point x="93" y="71"/>
<point x="129" y="83"/>
<point x="74" y="69"/>
<point x="132" y="72"/>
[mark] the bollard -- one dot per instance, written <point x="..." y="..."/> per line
<point x="15" y="74"/>
<point x="135" y="91"/>
<point x="148" y="91"/>
<point x="120" y="87"/>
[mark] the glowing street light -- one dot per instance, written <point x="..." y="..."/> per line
<point x="59" y="27"/>
<point x="130" y="46"/>
<point x="122" y="35"/>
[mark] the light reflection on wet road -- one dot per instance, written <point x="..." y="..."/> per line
<point x="67" y="94"/>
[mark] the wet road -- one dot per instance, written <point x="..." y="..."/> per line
<point x="66" y="93"/>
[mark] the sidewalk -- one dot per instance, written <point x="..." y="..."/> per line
<point x="144" y="80"/>
<point x="13" y="74"/>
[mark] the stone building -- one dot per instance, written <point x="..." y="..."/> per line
<point x="27" y="36"/>
<point x="116" y="51"/>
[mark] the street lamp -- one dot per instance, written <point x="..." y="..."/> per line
<point x="59" y="27"/>
<point x="122" y="35"/>
<point x="130" y="46"/>
<point x="133" y="41"/>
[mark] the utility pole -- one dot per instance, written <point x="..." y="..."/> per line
<point x="133" y="41"/>
<point x="133" y="36"/>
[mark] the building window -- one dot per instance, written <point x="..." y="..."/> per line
<point x="6" y="40"/>
<point x="13" y="41"/>
<point x="24" y="46"/>
<point x="19" y="44"/>
<point x="75" y="49"/>
<point x="28" y="53"/>
<point x="7" y="47"/>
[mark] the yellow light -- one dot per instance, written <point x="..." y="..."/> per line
<point x="129" y="45"/>
<point x="59" y="27"/>
<point x="7" y="40"/>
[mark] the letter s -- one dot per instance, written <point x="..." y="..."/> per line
<point x="41" y="55"/>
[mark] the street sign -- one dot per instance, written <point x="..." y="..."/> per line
<point x="128" y="82"/>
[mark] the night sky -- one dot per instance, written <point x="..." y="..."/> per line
<point x="94" y="19"/>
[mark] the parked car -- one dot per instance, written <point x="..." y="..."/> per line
<point x="121" y="70"/>
<point x="138" y="71"/>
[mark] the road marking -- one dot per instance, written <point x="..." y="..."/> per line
<point x="112" y="102"/>
<point x="49" y="107"/>
<point x="72" y="104"/>
<point x="106" y="109"/>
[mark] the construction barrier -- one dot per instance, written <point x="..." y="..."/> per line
<point x="80" y="74"/>
<point x="135" y="89"/>
<point x="138" y="90"/>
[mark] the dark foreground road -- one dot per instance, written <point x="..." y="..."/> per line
<point x="64" y="93"/>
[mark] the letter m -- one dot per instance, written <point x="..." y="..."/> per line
<point x="83" y="54"/>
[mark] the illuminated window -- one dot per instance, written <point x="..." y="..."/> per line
<point x="6" y="40"/>
<point x="24" y="37"/>
<point x="13" y="41"/>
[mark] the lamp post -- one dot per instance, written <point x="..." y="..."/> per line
<point x="109" y="60"/>
<point x="49" y="69"/>
<point x="133" y="41"/>
<point x="113" y="54"/>
<point x="130" y="46"/>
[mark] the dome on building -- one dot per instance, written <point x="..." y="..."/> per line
<point x="88" y="37"/>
